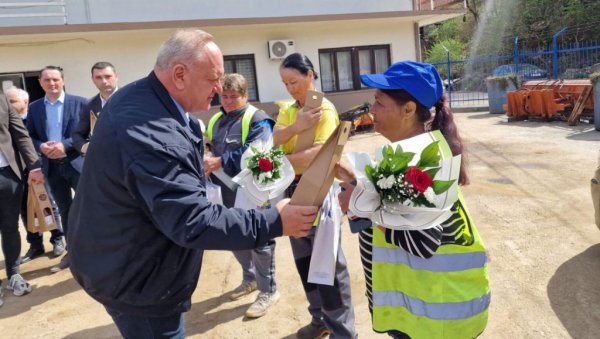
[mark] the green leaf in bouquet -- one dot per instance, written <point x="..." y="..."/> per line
<point x="399" y="150"/>
<point x="430" y="157"/>
<point x="441" y="186"/>
<point x="370" y="172"/>
<point x="384" y="164"/>
<point x="388" y="152"/>
<point x="433" y="171"/>
<point x="401" y="161"/>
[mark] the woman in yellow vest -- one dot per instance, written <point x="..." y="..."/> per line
<point x="429" y="283"/>
<point x="330" y="306"/>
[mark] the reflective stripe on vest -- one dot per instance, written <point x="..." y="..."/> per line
<point x="437" y="311"/>
<point x="446" y="296"/>
<point x="246" y="120"/>
<point x="437" y="263"/>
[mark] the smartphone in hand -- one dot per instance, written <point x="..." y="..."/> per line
<point x="314" y="99"/>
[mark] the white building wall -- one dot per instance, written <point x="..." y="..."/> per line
<point x="133" y="52"/>
<point x="78" y="12"/>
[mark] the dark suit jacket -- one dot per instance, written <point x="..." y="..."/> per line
<point x="14" y="139"/>
<point x="81" y="134"/>
<point x="36" y="124"/>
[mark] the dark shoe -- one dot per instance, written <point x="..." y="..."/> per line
<point x="1" y="295"/>
<point x="32" y="253"/>
<point x="59" y="248"/>
<point x="64" y="263"/>
<point x="312" y="331"/>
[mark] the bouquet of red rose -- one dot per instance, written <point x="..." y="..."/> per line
<point x="411" y="185"/>
<point x="265" y="165"/>
<point x="265" y="173"/>
<point x="397" y="182"/>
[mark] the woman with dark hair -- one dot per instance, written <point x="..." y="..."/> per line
<point x="330" y="306"/>
<point x="430" y="283"/>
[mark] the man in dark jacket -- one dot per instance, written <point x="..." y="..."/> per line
<point x="105" y="78"/>
<point x="140" y="217"/>
<point x="50" y="121"/>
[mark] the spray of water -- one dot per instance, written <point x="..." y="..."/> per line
<point x="494" y="21"/>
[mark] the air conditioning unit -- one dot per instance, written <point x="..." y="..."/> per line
<point x="279" y="49"/>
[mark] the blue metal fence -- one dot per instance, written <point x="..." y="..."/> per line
<point x="466" y="86"/>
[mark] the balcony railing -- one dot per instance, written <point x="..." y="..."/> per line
<point x="430" y="5"/>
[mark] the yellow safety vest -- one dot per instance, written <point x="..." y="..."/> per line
<point x="246" y="120"/>
<point x="445" y="296"/>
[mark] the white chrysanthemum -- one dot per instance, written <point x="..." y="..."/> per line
<point x="429" y="195"/>
<point x="386" y="183"/>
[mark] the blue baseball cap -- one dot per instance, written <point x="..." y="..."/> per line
<point x="420" y="80"/>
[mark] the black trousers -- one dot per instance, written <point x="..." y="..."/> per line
<point x="62" y="179"/>
<point x="11" y="192"/>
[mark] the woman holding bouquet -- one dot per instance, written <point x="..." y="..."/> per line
<point x="421" y="283"/>
<point x="330" y="306"/>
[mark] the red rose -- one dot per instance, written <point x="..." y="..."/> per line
<point x="265" y="164"/>
<point x="420" y="180"/>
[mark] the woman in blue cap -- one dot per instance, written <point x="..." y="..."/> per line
<point x="430" y="283"/>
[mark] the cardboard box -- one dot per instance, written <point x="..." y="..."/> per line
<point x="39" y="210"/>
<point x="93" y="119"/>
<point x="318" y="177"/>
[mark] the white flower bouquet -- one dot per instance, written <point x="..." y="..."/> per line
<point x="411" y="185"/>
<point x="265" y="173"/>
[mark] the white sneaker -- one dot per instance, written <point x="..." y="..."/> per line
<point x="262" y="303"/>
<point x="18" y="285"/>
<point x="244" y="289"/>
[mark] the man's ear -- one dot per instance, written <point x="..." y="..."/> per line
<point x="178" y="74"/>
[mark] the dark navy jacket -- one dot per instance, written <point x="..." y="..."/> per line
<point x="81" y="133"/>
<point x="36" y="125"/>
<point x="140" y="219"/>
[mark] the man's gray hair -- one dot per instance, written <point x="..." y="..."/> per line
<point x="184" y="46"/>
<point x="20" y="93"/>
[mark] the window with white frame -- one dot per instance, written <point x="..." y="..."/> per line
<point x="244" y="65"/>
<point x="341" y="67"/>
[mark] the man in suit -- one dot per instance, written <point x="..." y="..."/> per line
<point x="51" y="121"/>
<point x="15" y="145"/>
<point x="105" y="78"/>
<point x="141" y="219"/>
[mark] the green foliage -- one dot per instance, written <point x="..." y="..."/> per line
<point x="430" y="157"/>
<point x="437" y="54"/>
<point x="392" y="182"/>
<point x="533" y="21"/>
<point x="274" y="155"/>
<point x="441" y="186"/>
